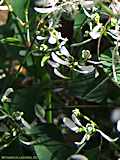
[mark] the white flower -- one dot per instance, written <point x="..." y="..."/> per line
<point x="46" y="6"/>
<point x="53" y="64"/>
<point x="59" y="36"/>
<point x="115" y="115"/>
<point x="78" y="157"/>
<point x="118" y="125"/>
<point x="89" y="129"/>
<point x="41" y="38"/>
<point x="114" y="34"/>
<point x="45" y="10"/>
<point x="88" y="4"/>
<point x="106" y="136"/>
<point x="59" y="74"/>
<point x="6" y="94"/>
<point x="115" y="6"/>
<point x="70" y="124"/>
<point x="59" y="60"/>
<point x="64" y="51"/>
<point x="45" y="3"/>
<point x="1" y="2"/>
<point x="3" y="75"/>
<point x="95" y="33"/>
<point x="52" y="40"/>
<point x="87" y="69"/>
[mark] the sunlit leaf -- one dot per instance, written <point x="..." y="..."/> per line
<point x="39" y="111"/>
<point x="44" y="59"/>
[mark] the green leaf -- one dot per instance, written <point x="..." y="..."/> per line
<point x="92" y="154"/>
<point x="107" y="61"/>
<point x="44" y="59"/>
<point x="51" y="145"/>
<point x="79" y="19"/>
<point x="39" y="111"/>
<point x="18" y="7"/>
<point x="89" y="88"/>
<point x="52" y="151"/>
<point x="42" y="149"/>
<point x="29" y="61"/>
<point x="11" y="40"/>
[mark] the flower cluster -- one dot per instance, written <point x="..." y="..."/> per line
<point x="54" y="46"/>
<point x="89" y="129"/>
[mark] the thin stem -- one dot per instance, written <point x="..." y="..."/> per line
<point x="80" y="148"/>
<point x="96" y="87"/>
<point x="27" y="23"/>
<point x="99" y="40"/>
<point x="17" y="20"/>
<point x="49" y="112"/>
<point x="98" y="47"/>
<point x="113" y="64"/>
<point x="81" y="43"/>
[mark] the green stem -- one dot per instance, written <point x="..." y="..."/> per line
<point x="81" y="43"/>
<point x="80" y="148"/>
<point x="27" y="23"/>
<point x="49" y="112"/>
<point x="113" y="63"/>
<point x="17" y="21"/>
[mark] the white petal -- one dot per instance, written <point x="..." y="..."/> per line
<point x="64" y="51"/>
<point x="59" y="60"/>
<point x="82" y="141"/>
<point x="53" y="64"/>
<point x="27" y="143"/>
<point x="94" y="62"/>
<point x="82" y="72"/>
<point x="118" y="125"/>
<point x="106" y="136"/>
<point x="88" y="4"/>
<point x="114" y="34"/>
<point x="45" y="10"/>
<point x="96" y="73"/>
<point x="78" y="157"/>
<point x="96" y="28"/>
<point x="115" y="115"/>
<point x="8" y="91"/>
<point x="40" y="38"/>
<point x="95" y="32"/>
<point x="25" y="123"/>
<point x="59" y="74"/>
<point x="86" y="12"/>
<point x="87" y="69"/>
<point x="95" y="35"/>
<point x="75" y="119"/>
<point x="70" y="124"/>
<point x="52" y="40"/>
<point x="4" y="7"/>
